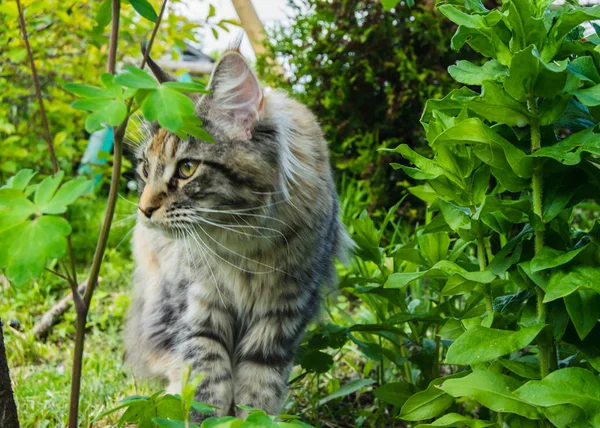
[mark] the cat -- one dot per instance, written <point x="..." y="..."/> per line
<point x="234" y="243"/>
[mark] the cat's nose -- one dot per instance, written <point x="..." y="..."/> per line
<point x="149" y="210"/>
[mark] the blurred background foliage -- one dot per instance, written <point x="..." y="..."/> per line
<point x="366" y="73"/>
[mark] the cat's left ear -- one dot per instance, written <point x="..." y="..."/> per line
<point x="161" y="75"/>
<point x="236" y="102"/>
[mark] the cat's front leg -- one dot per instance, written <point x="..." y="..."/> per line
<point x="206" y="346"/>
<point x="265" y="353"/>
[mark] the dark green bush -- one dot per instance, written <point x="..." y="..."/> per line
<point x="366" y="73"/>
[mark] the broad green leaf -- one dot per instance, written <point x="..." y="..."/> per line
<point x="569" y="151"/>
<point x="47" y="187"/>
<point x="31" y="245"/>
<point x="87" y="91"/>
<point x="14" y="209"/>
<point x="550" y="258"/>
<point x="348" y="388"/>
<point x="441" y="269"/>
<point x="490" y="147"/>
<point x="20" y="180"/>
<point x="574" y="385"/>
<point x="589" y="96"/>
<point x="470" y="74"/>
<point x="470" y="21"/>
<point x="104" y="13"/>
<point x="395" y="393"/>
<point x="192" y="125"/>
<point x="456" y="420"/>
<point x="112" y="113"/>
<point x="168" y="107"/>
<point x="91" y="104"/>
<point x="448" y="105"/>
<point x="524" y="369"/>
<point x="481" y="344"/>
<point x="451" y="330"/>
<point x="316" y="361"/>
<point x="135" y="78"/>
<point x="429" y="403"/>
<point x="168" y="423"/>
<point x="525" y="28"/>
<point x="583" y="307"/>
<point x="66" y="195"/>
<point x="564" y="282"/>
<point x="145" y="9"/>
<point x="493" y="390"/>
<point x="564" y="24"/>
<point x="222" y="422"/>
<point x="434" y="248"/>
<point x="496" y="105"/>
<point x="187" y="87"/>
<point x="461" y="283"/>
<point x="456" y="217"/>
<point x="585" y="69"/>
<point x="567" y="416"/>
<point x="529" y="75"/>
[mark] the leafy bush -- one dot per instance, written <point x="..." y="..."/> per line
<point x="366" y="73"/>
<point x="491" y="309"/>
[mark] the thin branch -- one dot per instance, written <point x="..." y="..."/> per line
<point x="154" y="31"/>
<point x="113" y="193"/>
<point x="38" y="92"/>
<point x="60" y="275"/>
<point x="114" y="36"/>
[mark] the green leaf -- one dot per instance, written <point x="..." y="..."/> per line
<point x="569" y="151"/>
<point x="145" y="9"/>
<point x="525" y="28"/>
<point x="530" y="75"/>
<point x="564" y="24"/>
<point x="348" y="388"/>
<point x="87" y="91"/>
<point x="441" y="269"/>
<point x="222" y="422"/>
<point x="583" y="307"/>
<point x="32" y="244"/>
<point x="492" y="390"/>
<point x="192" y="125"/>
<point x="589" y="96"/>
<point x="14" y="209"/>
<point x="112" y="113"/>
<point x="47" y="187"/>
<point x="316" y="361"/>
<point x="133" y="77"/>
<point x="564" y="282"/>
<point x="168" y="423"/>
<point x="389" y="4"/>
<point x="456" y="420"/>
<point x="168" y="107"/>
<point x="461" y="283"/>
<point x="470" y="21"/>
<point x="470" y="74"/>
<point x="104" y="13"/>
<point x="574" y="385"/>
<point x="496" y="105"/>
<point x="66" y="195"/>
<point x="429" y="403"/>
<point x="481" y="344"/>
<point x="20" y="180"/>
<point x="456" y="217"/>
<point x="584" y="69"/>
<point x="548" y="258"/>
<point x="524" y="369"/>
<point x="487" y="145"/>
<point x="187" y="87"/>
<point x="395" y="393"/>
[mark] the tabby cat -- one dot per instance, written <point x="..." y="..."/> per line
<point x="233" y="243"/>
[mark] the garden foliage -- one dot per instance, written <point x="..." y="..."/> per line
<point x="366" y="73"/>
<point x="491" y="309"/>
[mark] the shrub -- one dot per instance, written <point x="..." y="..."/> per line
<point x="491" y="310"/>
<point x="366" y="74"/>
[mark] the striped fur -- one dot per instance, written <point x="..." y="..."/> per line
<point x="231" y="263"/>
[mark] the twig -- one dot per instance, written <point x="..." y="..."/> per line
<point x="108" y="217"/>
<point x="38" y="92"/>
<point x="54" y="314"/>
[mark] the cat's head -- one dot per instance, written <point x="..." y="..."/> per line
<point x="183" y="182"/>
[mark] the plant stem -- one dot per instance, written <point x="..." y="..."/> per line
<point x="547" y="351"/>
<point x="481" y="249"/>
<point x="38" y="92"/>
<point x="108" y="217"/>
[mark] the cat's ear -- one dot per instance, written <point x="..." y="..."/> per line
<point x="161" y="75"/>
<point x="236" y="102"/>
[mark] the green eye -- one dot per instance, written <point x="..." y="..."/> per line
<point x="145" y="170"/>
<point x="187" y="168"/>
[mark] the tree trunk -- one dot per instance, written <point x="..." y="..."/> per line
<point x="8" y="410"/>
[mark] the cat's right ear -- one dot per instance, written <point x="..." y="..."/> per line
<point x="161" y="75"/>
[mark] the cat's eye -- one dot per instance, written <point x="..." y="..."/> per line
<point x="187" y="168"/>
<point x="145" y="170"/>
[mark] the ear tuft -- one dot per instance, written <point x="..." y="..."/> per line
<point x="236" y="103"/>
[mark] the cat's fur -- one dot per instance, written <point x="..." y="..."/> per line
<point x="230" y="265"/>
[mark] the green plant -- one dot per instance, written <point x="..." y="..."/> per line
<point x="512" y="163"/>
<point x="366" y="73"/>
